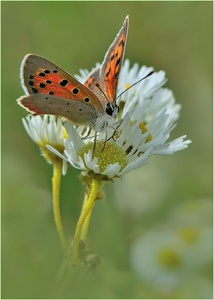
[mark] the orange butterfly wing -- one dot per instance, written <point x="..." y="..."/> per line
<point x="39" y="75"/>
<point x="113" y="60"/>
<point x="107" y="75"/>
<point x="50" y="90"/>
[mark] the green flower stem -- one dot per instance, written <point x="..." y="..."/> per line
<point x="85" y="226"/>
<point x="87" y="208"/>
<point x="56" y="179"/>
<point x="87" y="220"/>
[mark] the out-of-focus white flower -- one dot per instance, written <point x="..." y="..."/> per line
<point x="171" y="254"/>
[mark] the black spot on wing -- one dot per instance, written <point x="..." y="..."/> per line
<point x="115" y="75"/>
<point x="121" y="43"/>
<point x="34" y="90"/>
<point x="118" y="61"/>
<point x="107" y="73"/>
<point x="42" y="85"/>
<point x="64" y="82"/>
<point x="75" y="91"/>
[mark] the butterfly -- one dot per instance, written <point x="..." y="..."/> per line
<point x="50" y="90"/>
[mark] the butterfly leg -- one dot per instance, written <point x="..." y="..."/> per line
<point x="106" y="137"/>
<point x="95" y="142"/>
<point x="115" y="130"/>
<point x="87" y="135"/>
<point x="95" y="138"/>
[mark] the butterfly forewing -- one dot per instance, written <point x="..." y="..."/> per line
<point x="110" y="69"/>
<point x="39" y="75"/>
<point x="107" y="75"/>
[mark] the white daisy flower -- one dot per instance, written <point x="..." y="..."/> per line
<point x="47" y="130"/>
<point x="149" y="114"/>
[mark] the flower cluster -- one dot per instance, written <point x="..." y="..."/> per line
<point x="148" y="113"/>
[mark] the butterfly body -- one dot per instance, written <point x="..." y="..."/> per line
<point x="50" y="90"/>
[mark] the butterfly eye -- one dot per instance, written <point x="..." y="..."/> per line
<point x="110" y="110"/>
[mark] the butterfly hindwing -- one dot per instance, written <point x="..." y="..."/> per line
<point x="76" y="111"/>
<point x="92" y="82"/>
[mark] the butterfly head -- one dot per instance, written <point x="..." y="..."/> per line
<point x="112" y="109"/>
<point x="109" y="106"/>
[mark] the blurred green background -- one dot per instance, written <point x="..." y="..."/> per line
<point x="169" y="193"/>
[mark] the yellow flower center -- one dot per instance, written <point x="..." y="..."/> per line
<point x="48" y="155"/>
<point x="64" y="133"/>
<point x="189" y="235"/>
<point x="169" y="259"/>
<point x="108" y="153"/>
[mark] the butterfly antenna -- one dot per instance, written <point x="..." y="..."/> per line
<point x="97" y="85"/>
<point x="150" y="73"/>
